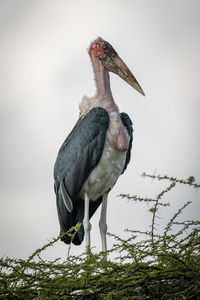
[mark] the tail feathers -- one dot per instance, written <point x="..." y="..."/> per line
<point x="68" y="220"/>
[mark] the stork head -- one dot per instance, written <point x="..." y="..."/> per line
<point x="112" y="62"/>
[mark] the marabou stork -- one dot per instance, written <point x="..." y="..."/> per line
<point x="96" y="152"/>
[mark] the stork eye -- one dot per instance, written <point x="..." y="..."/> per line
<point x="105" y="46"/>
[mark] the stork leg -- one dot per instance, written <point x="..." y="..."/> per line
<point x="86" y="222"/>
<point x="102" y="222"/>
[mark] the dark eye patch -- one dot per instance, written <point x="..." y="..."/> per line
<point x="108" y="50"/>
<point x="105" y="46"/>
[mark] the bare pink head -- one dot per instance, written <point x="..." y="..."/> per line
<point x="102" y="50"/>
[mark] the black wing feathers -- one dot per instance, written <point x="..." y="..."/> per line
<point x="81" y="151"/>
<point x="66" y="199"/>
<point x="128" y="124"/>
<point x="77" y="157"/>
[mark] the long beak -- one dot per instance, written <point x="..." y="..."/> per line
<point x="116" y="65"/>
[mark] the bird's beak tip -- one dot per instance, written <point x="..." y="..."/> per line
<point x="136" y="86"/>
<point x="117" y="66"/>
<point x="142" y="92"/>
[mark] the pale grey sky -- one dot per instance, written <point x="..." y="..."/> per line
<point x="45" y="71"/>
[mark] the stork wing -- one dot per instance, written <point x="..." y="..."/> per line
<point x="128" y="124"/>
<point x="77" y="157"/>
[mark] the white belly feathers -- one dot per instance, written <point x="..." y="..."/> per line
<point x="105" y="174"/>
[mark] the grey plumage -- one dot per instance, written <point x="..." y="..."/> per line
<point x="77" y="157"/>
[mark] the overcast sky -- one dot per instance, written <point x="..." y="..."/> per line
<point x="44" y="73"/>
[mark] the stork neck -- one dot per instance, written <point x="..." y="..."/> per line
<point x="102" y="79"/>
